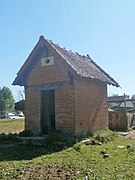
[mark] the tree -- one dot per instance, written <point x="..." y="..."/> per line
<point x="6" y="100"/>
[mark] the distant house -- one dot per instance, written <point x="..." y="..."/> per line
<point x="20" y="106"/>
<point x="63" y="90"/>
<point x="120" y="102"/>
<point x="118" y="98"/>
<point x="121" y="112"/>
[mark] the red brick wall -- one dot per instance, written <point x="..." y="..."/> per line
<point x="90" y="106"/>
<point x="65" y="109"/>
<point x="80" y="107"/>
<point x="64" y="97"/>
<point x="32" y="110"/>
<point x="47" y="74"/>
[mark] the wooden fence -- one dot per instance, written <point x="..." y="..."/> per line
<point x="119" y="120"/>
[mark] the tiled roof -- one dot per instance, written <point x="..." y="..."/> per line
<point x="83" y="65"/>
<point x="118" y="98"/>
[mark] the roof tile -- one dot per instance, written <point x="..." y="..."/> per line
<point x="84" y="65"/>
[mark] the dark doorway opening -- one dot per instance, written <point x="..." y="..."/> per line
<point x="47" y="111"/>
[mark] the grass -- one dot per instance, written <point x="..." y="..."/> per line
<point x="77" y="162"/>
<point x="11" y="125"/>
<point x="86" y="162"/>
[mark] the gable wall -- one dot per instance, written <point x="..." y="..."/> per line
<point x="47" y="74"/>
<point x="90" y="106"/>
<point x="55" y="75"/>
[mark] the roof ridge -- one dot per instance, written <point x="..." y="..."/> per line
<point x="64" y="48"/>
<point x="53" y="44"/>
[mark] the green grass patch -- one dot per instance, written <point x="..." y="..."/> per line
<point x="72" y="160"/>
<point x="11" y="125"/>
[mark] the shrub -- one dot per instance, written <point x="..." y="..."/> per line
<point x="104" y="135"/>
<point x="12" y="137"/>
<point x="8" y="137"/>
<point x="3" y="137"/>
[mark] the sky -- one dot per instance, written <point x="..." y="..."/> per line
<point x="104" y="29"/>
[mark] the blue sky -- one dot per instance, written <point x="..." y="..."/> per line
<point x="104" y="29"/>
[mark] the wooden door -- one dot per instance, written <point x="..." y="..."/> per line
<point x="47" y="111"/>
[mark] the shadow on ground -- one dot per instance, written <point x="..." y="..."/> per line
<point x="18" y="148"/>
<point x="20" y="152"/>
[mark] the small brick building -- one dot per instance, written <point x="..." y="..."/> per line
<point x="63" y="90"/>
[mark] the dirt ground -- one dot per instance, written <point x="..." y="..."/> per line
<point x="44" y="173"/>
<point x="130" y="134"/>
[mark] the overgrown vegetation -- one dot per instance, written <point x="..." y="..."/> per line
<point x="8" y="138"/>
<point x="104" y="136"/>
<point x="63" y="157"/>
<point x="79" y="161"/>
<point x="56" y="140"/>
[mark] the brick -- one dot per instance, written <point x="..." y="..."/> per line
<point x="79" y="108"/>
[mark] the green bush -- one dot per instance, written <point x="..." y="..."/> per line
<point x="104" y="135"/>
<point x="8" y="137"/>
<point x="12" y="136"/>
<point x="3" y="137"/>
